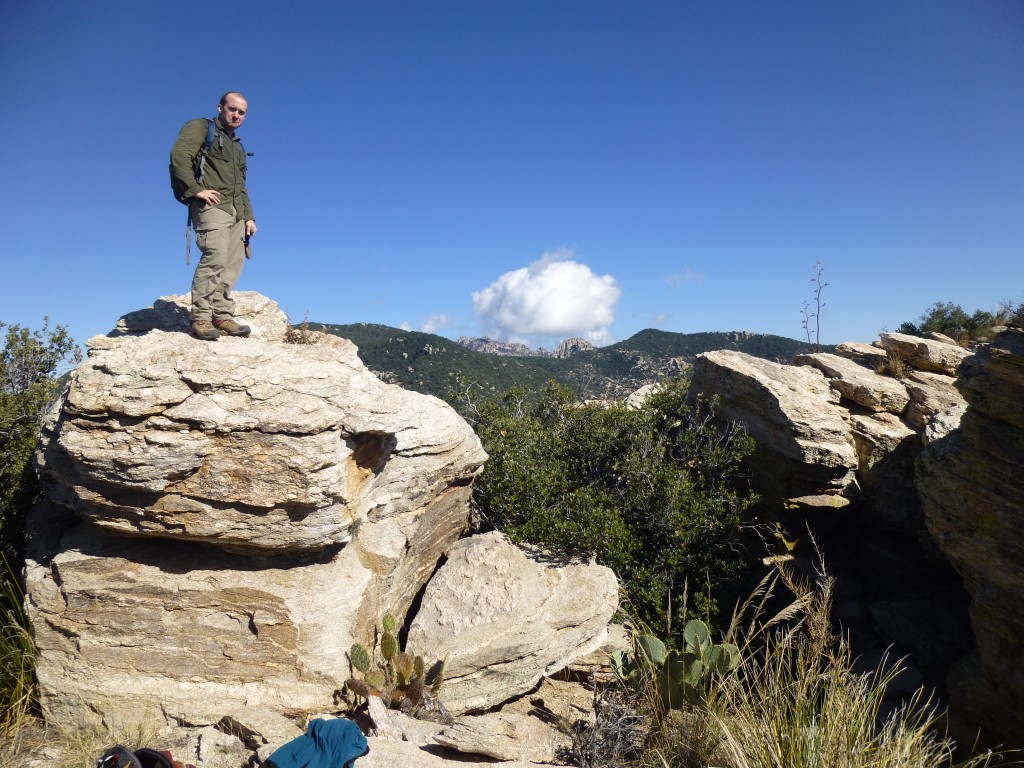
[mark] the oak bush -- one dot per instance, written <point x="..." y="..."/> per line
<point x="656" y="492"/>
<point x="31" y="362"/>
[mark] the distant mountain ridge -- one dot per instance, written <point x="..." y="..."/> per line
<point x="432" y="364"/>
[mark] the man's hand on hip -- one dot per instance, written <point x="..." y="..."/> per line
<point x="209" y="196"/>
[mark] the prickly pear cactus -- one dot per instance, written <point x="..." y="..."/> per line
<point x="679" y="677"/>
<point x="388" y="646"/>
<point x="403" y="668"/>
<point x="360" y="658"/>
<point x="398" y="678"/>
<point x="419" y="669"/>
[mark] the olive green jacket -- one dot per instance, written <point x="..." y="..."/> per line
<point x="223" y="171"/>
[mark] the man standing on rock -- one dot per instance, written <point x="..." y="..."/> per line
<point x="208" y="175"/>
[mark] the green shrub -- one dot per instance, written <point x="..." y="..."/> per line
<point x="30" y="362"/>
<point x="651" y="491"/>
<point x="952" y="320"/>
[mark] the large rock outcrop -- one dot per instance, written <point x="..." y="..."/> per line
<point x="838" y="435"/>
<point x="973" y="493"/>
<point x="225" y="519"/>
<point x="252" y="445"/>
<point x="831" y="425"/>
<point x="250" y="509"/>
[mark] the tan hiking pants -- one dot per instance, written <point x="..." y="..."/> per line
<point x="222" y="241"/>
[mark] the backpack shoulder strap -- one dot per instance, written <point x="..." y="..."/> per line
<point x="211" y="132"/>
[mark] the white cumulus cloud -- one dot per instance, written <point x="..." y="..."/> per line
<point x="430" y="324"/>
<point x="555" y="296"/>
<point x="434" y="323"/>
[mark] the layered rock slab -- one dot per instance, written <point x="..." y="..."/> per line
<point x="859" y="385"/>
<point x="180" y="631"/>
<point x="803" y="435"/>
<point x="925" y="354"/>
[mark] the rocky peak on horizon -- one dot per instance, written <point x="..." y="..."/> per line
<point x="495" y="347"/>
<point x="566" y="348"/>
<point x="570" y="347"/>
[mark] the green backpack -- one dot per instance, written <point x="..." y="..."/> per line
<point x="211" y="131"/>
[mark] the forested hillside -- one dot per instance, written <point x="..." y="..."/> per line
<point x="427" y="363"/>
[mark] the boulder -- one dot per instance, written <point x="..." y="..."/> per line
<point x="930" y="395"/>
<point x="172" y="314"/>
<point x="877" y="436"/>
<point x="254" y="446"/>
<point x="397" y="726"/>
<point x="505" y="736"/>
<point x="886" y="450"/>
<point x="258" y="726"/>
<point x="925" y="354"/>
<point x="869" y="355"/>
<point x="857" y="384"/>
<point x="936" y="336"/>
<point x="637" y="399"/>
<point x="803" y="435"/>
<point x="503" y="620"/>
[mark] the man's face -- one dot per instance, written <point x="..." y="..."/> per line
<point x="232" y="111"/>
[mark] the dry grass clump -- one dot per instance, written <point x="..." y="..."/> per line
<point x="299" y="334"/>
<point x="59" y="744"/>
<point x="795" y="700"/>
<point x="894" y="365"/>
<point x="17" y="658"/>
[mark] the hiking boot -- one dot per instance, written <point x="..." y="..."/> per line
<point x="203" y="329"/>
<point x="230" y="328"/>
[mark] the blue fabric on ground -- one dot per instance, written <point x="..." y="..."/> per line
<point x="326" y="744"/>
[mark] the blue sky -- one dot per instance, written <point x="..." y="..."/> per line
<point x="527" y="170"/>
